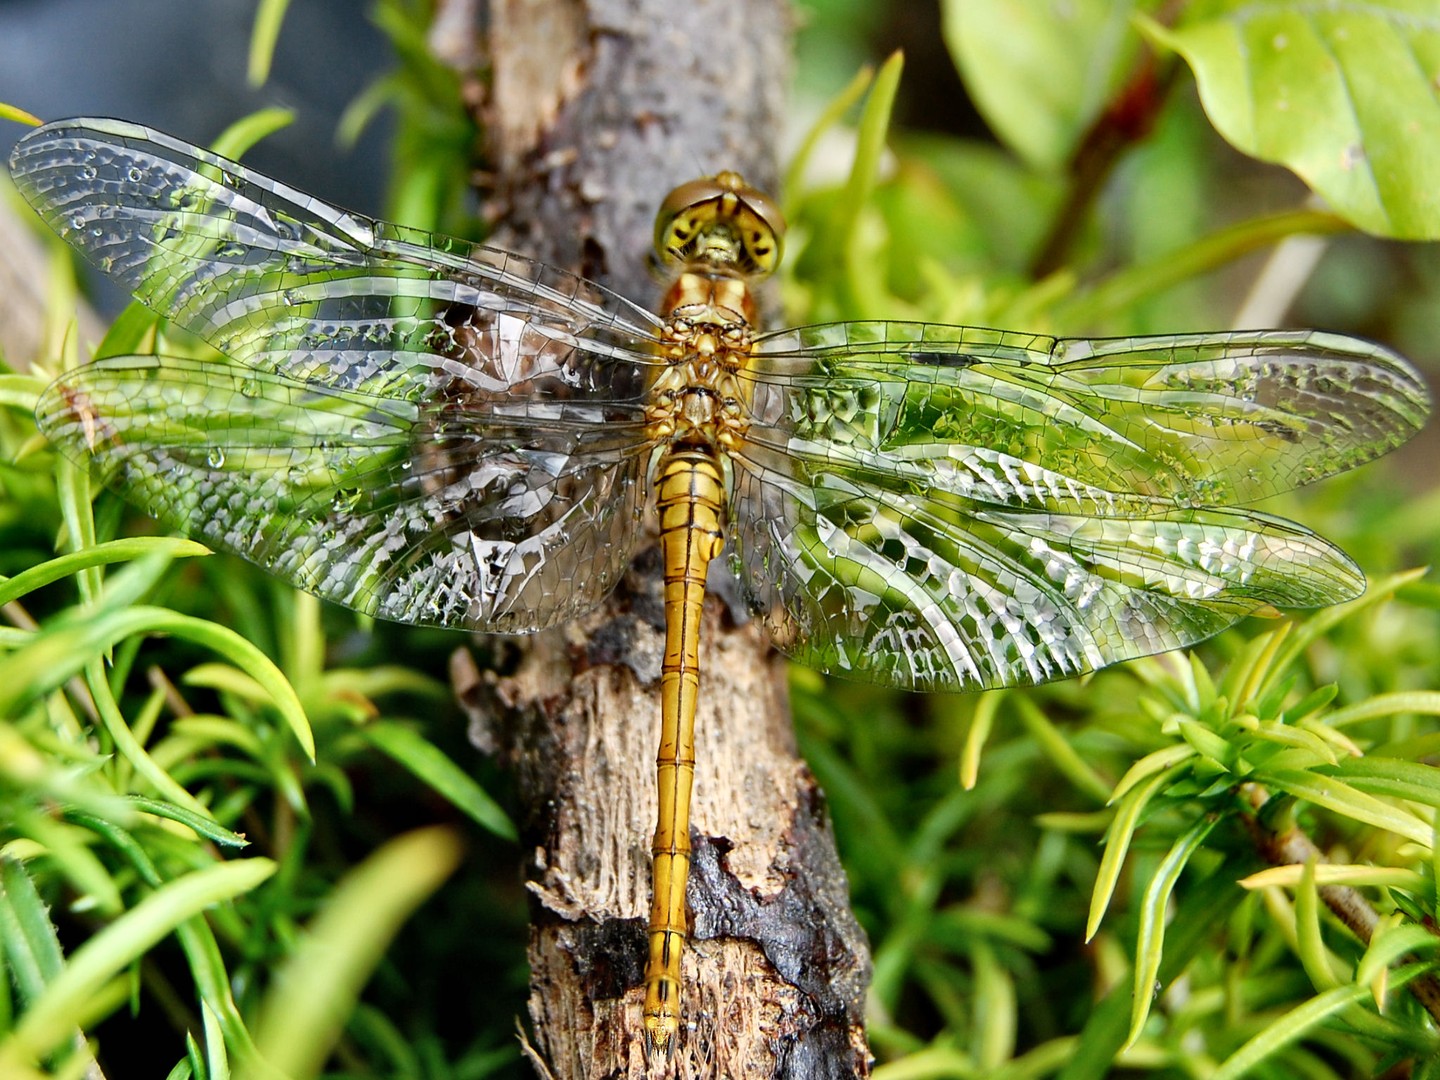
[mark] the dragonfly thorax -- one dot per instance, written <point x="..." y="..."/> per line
<point x="697" y="399"/>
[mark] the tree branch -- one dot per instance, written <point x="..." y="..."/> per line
<point x="596" y="109"/>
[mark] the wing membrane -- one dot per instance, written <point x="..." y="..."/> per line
<point x="886" y="584"/>
<point x="948" y="507"/>
<point x="499" y="517"/>
<point x="277" y="280"/>
<point x="1197" y="419"/>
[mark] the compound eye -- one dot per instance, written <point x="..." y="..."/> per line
<point x="721" y="211"/>
<point x="682" y="216"/>
<point x="689" y="195"/>
<point x="766" y="209"/>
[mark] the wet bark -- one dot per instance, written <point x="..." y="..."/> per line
<point x="594" y="109"/>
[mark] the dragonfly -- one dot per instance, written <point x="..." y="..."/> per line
<point x="434" y="431"/>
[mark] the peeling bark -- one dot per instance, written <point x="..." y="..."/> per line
<point x="596" y="109"/>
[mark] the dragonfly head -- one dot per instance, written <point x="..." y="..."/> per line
<point x="720" y="223"/>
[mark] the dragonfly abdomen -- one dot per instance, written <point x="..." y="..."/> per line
<point x="690" y="500"/>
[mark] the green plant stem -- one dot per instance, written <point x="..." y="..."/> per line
<point x="1293" y="848"/>
<point x="1126" y="120"/>
<point x="1128" y="287"/>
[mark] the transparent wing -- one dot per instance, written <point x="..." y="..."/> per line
<point x="502" y="517"/>
<point x="885" y="584"/>
<point x="947" y="508"/>
<point x="1198" y="419"/>
<point x="277" y="280"/>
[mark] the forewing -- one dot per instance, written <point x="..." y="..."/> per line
<point x="277" y="280"/>
<point x="1197" y="419"/>
<point x="861" y="574"/>
<point x="504" y="517"/>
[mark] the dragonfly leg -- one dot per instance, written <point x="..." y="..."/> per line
<point x="690" y="498"/>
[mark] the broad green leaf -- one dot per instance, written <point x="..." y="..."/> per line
<point x="1342" y="94"/>
<point x="319" y="985"/>
<point x="1041" y="71"/>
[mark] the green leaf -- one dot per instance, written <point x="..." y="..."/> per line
<point x="248" y="130"/>
<point x="986" y="706"/>
<point x="269" y="17"/>
<point x="207" y="966"/>
<point x="69" y="996"/>
<point x="100" y="555"/>
<point x="1410" y="780"/>
<point x="1149" y="944"/>
<point x="1339" y="797"/>
<point x="426" y="761"/>
<point x="864" y="171"/>
<point x="1391" y="944"/>
<point x="317" y="988"/>
<point x="1061" y="753"/>
<point x="1342" y="94"/>
<point x="1208" y="903"/>
<point x="1315" y="958"/>
<point x="1117" y="843"/>
<point x="129" y="333"/>
<point x="57" y="654"/>
<point x="829" y="117"/>
<point x="216" y="1061"/>
<point x="129" y="744"/>
<point x="21" y="391"/>
<point x="1403" y="701"/>
<point x="66" y="849"/>
<point x="27" y="937"/>
<point x="1041" y="71"/>
<point x="204" y="826"/>
<point x="14" y="112"/>
<point x="1274" y="1037"/>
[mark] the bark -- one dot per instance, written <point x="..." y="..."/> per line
<point x="594" y="110"/>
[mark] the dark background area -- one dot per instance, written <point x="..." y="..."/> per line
<point x="179" y="65"/>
